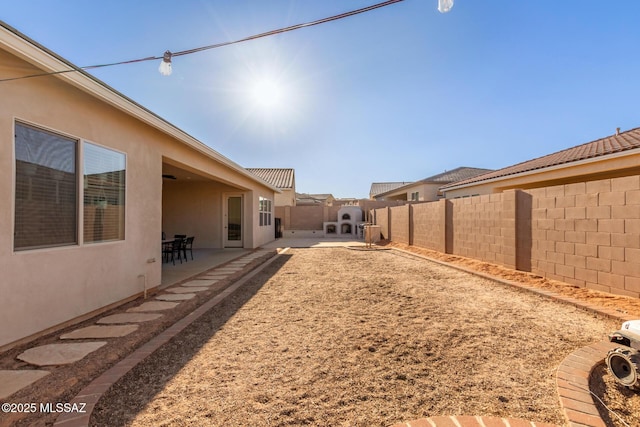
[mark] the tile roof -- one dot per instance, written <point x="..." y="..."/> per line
<point x="616" y="143"/>
<point x="278" y="177"/>
<point x="383" y="187"/>
<point x="457" y="174"/>
<point x="445" y="177"/>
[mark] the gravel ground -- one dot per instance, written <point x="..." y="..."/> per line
<point x="337" y="337"/>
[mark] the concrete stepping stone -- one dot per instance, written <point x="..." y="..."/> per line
<point x="214" y="276"/>
<point x="59" y="354"/>
<point x="228" y="270"/>
<point x="97" y="331"/>
<point x="199" y="282"/>
<point x="12" y="381"/>
<point x="129" y="318"/>
<point x="153" y="306"/>
<point x="175" y="297"/>
<point x="181" y="290"/>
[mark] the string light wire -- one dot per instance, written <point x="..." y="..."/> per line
<point x="217" y="45"/>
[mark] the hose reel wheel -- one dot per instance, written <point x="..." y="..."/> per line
<point x="624" y="365"/>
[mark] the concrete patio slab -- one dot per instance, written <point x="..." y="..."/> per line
<point x="181" y="290"/>
<point x="97" y="331"/>
<point x="59" y="354"/>
<point x="199" y="282"/>
<point x="12" y="381"/>
<point x="129" y="318"/>
<point x="153" y="306"/>
<point x="175" y="297"/>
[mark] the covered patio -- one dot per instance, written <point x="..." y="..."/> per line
<point x="203" y="260"/>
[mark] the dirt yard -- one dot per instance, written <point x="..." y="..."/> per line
<point x="357" y="338"/>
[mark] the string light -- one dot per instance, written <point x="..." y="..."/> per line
<point x="445" y="6"/>
<point x="165" y="66"/>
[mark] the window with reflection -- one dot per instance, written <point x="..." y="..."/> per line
<point x="46" y="197"/>
<point x="104" y="193"/>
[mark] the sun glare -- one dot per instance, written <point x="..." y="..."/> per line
<point x="266" y="93"/>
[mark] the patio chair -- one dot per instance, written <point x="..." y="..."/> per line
<point x="172" y="249"/>
<point x="187" y="245"/>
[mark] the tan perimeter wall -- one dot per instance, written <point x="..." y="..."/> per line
<point x="312" y="218"/>
<point x="586" y="234"/>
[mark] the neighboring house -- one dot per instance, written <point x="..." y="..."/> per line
<point x="303" y="199"/>
<point x="427" y="189"/>
<point x="89" y="181"/>
<point x="614" y="156"/>
<point x="283" y="179"/>
<point x="346" y="201"/>
<point x="384" y="187"/>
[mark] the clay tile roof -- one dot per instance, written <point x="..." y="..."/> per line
<point x="278" y="177"/>
<point x="383" y="187"/>
<point x="623" y="141"/>
<point x="457" y="174"/>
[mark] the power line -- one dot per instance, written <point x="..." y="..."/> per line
<point x="169" y="54"/>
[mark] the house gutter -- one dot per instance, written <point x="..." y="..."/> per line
<point x="34" y="53"/>
<point x="545" y="169"/>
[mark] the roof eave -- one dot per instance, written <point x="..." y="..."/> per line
<point x="561" y="166"/>
<point x="31" y="51"/>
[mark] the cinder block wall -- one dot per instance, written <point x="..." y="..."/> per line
<point x="429" y="221"/>
<point x="586" y="234"/>
<point x="306" y="218"/>
<point x="400" y="223"/>
<point x="478" y="228"/>
<point x="382" y="219"/>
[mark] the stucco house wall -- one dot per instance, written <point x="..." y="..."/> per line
<point x="47" y="287"/>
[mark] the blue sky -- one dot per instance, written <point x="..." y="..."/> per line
<point x="397" y="94"/>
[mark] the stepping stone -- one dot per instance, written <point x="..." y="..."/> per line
<point x="59" y="354"/>
<point x="153" y="306"/>
<point x="214" y="276"/>
<point x="227" y="270"/>
<point x="180" y="290"/>
<point x="201" y="282"/>
<point x="175" y="297"/>
<point x="12" y="381"/>
<point x="96" y="331"/>
<point x="129" y="318"/>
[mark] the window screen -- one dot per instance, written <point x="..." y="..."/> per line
<point x="46" y="189"/>
<point x="104" y="191"/>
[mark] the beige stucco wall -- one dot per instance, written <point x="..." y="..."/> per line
<point x="286" y="198"/>
<point x="46" y="287"/>
<point x="427" y="192"/>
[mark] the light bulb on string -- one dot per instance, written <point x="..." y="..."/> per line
<point x="445" y="6"/>
<point x="165" y="65"/>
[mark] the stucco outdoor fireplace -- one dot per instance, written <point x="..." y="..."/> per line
<point x="349" y="219"/>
